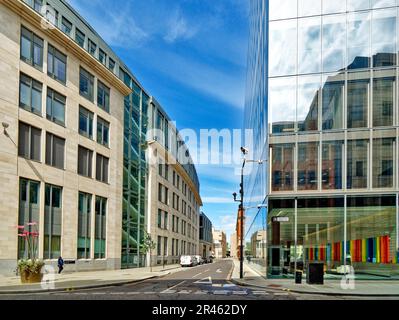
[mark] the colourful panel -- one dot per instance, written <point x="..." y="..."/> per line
<point x="364" y="250"/>
<point x="378" y="254"/>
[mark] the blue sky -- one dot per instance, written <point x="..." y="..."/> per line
<point x="191" y="56"/>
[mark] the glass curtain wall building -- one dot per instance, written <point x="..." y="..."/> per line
<point x="322" y="98"/>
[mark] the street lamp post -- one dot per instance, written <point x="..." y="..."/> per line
<point x="241" y="208"/>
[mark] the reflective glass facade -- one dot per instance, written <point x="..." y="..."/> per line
<point x="322" y="99"/>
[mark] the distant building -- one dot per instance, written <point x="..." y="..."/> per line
<point x="205" y="236"/>
<point x="233" y="245"/>
<point x="219" y="244"/>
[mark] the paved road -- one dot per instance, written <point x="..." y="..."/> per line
<point x="206" y="282"/>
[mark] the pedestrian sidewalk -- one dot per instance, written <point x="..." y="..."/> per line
<point x="69" y="281"/>
<point x="252" y="278"/>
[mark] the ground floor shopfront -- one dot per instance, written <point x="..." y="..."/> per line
<point x="357" y="233"/>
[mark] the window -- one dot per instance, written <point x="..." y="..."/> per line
<point x="84" y="229"/>
<point x="100" y="235"/>
<point x="357" y="164"/>
<point x="162" y="194"/>
<point x="55" y="150"/>
<point x="111" y="64"/>
<point x="55" y="107"/>
<point x="102" y="132"/>
<point x="86" y="85"/>
<point x="56" y="64"/>
<point x="159" y="246"/>
<point x="102" y="168"/>
<point x="30" y="94"/>
<point x="103" y="93"/>
<point x="165" y="221"/>
<point x="86" y="122"/>
<point x="52" y="222"/>
<point x="29" y="210"/>
<point x="159" y="218"/>
<point x="80" y="37"/>
<point x="29" y="142"/>
<point x="102" y="56"/>
<point x="31" y="48"/>
<point x="66" y="26"/>
<point x="165" y="246"/>
<point x="85" y="158"/>
<point x="51" y="14"/>
<point x="92" y="48"/>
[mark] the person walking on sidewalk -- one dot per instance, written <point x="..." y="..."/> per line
<point x="60" y="265"/>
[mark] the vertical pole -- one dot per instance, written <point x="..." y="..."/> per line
<point x="242" y="223"/>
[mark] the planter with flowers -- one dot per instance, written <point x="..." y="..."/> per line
<point x="30" y="268"/>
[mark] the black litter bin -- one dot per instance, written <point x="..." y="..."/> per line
<point x="298" y="277"/>
<point x="315" y="273"/>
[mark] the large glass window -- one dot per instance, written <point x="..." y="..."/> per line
<point x="358" y="40"/>
<point x="371" y="234"/>
<point x="283" y="47"/>
<point x="85" y="159"/>
<point x="383" y="163"/>
<point x="332" y="165"/>
<point x="308" y="103"/>
<point x="52" y="222"/>
<point x="103" y="93"/>
<point x="335" y="6"/>
<point x="56" y="64"/>
<point x="283" y="9"/>
<point x="357" y="165"/>
<point x="282" y="105"/>
<point x="309" y="8"/>
<point x="384" y="84"/>
<point x="384" y="37"/>
<point x="84" y="229"/>
<point x="321" y="233"/>
<point x="55" y="109"/>
<point x="30" y="94"/>
<point x="282" y="167"/>
<point x="356" y="5"/>
<point x="86" y="122"/>
<point x="308" y="165"/>
<point x="86" y="85"/>
<point x="100" y="234"/>
<point x="334" y="42"/>
<point x="29" y="212"/>
<point x="280" y="236"/>
<point x="358" y="99"/>
<point x="29" y="142"/>
<point x="102" y="132"/>
<point x="55" y="151"/>
<point x="102" y="164"/>
<point x="31" y="48"/>
<point x="309" y="45"/>
<point x="92" y="47"/>
<point x="333" y="102"/>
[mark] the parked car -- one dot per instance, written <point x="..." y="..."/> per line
<point x="199" y="260"/>
<point x="188" y="261"/>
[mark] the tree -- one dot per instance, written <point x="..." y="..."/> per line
<point x="148" y="246"/>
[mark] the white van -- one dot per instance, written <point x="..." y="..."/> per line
<point x="188" y="261"/>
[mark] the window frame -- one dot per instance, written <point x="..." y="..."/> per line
<point x="51" y="144"/>
<point x="101" y="125"/>
<point x="61" y="99"/>
<point x="103" y="92"/>
<point x="30" y="155"/>
<point x="102" y="168"/>
<point x="83" y="112"/>
<point x="34" y="41"/>
<point x="87" y="167"/>
<point x="32" y="84"/>
<point x="84" y="74"/>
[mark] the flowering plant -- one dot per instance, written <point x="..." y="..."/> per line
<point x="30" y="263"/>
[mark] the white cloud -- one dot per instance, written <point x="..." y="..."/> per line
<point x="178" y="28"/>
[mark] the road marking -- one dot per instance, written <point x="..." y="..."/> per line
<point x="132" y="293"/>
<point x="201" y="292"/>
<point x="229" y="285"/>
<point x="184" y="292"/>
<point x="221" y="292"/>
<point x="175" y="286"/>
<point x="168" y="291"/>
<point x="209" y="281"/>
<point x="149" y="292"/>
<point x="219" y="271"/>
<point x="197" y="275"/>
<point x="260" y="293"/>
<point x="80" y="293"/>
<point x="281" y="294"/>
<point x="98" y="293"/>
<point x="206" y="270"/>
<point x="241" y="293"/>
